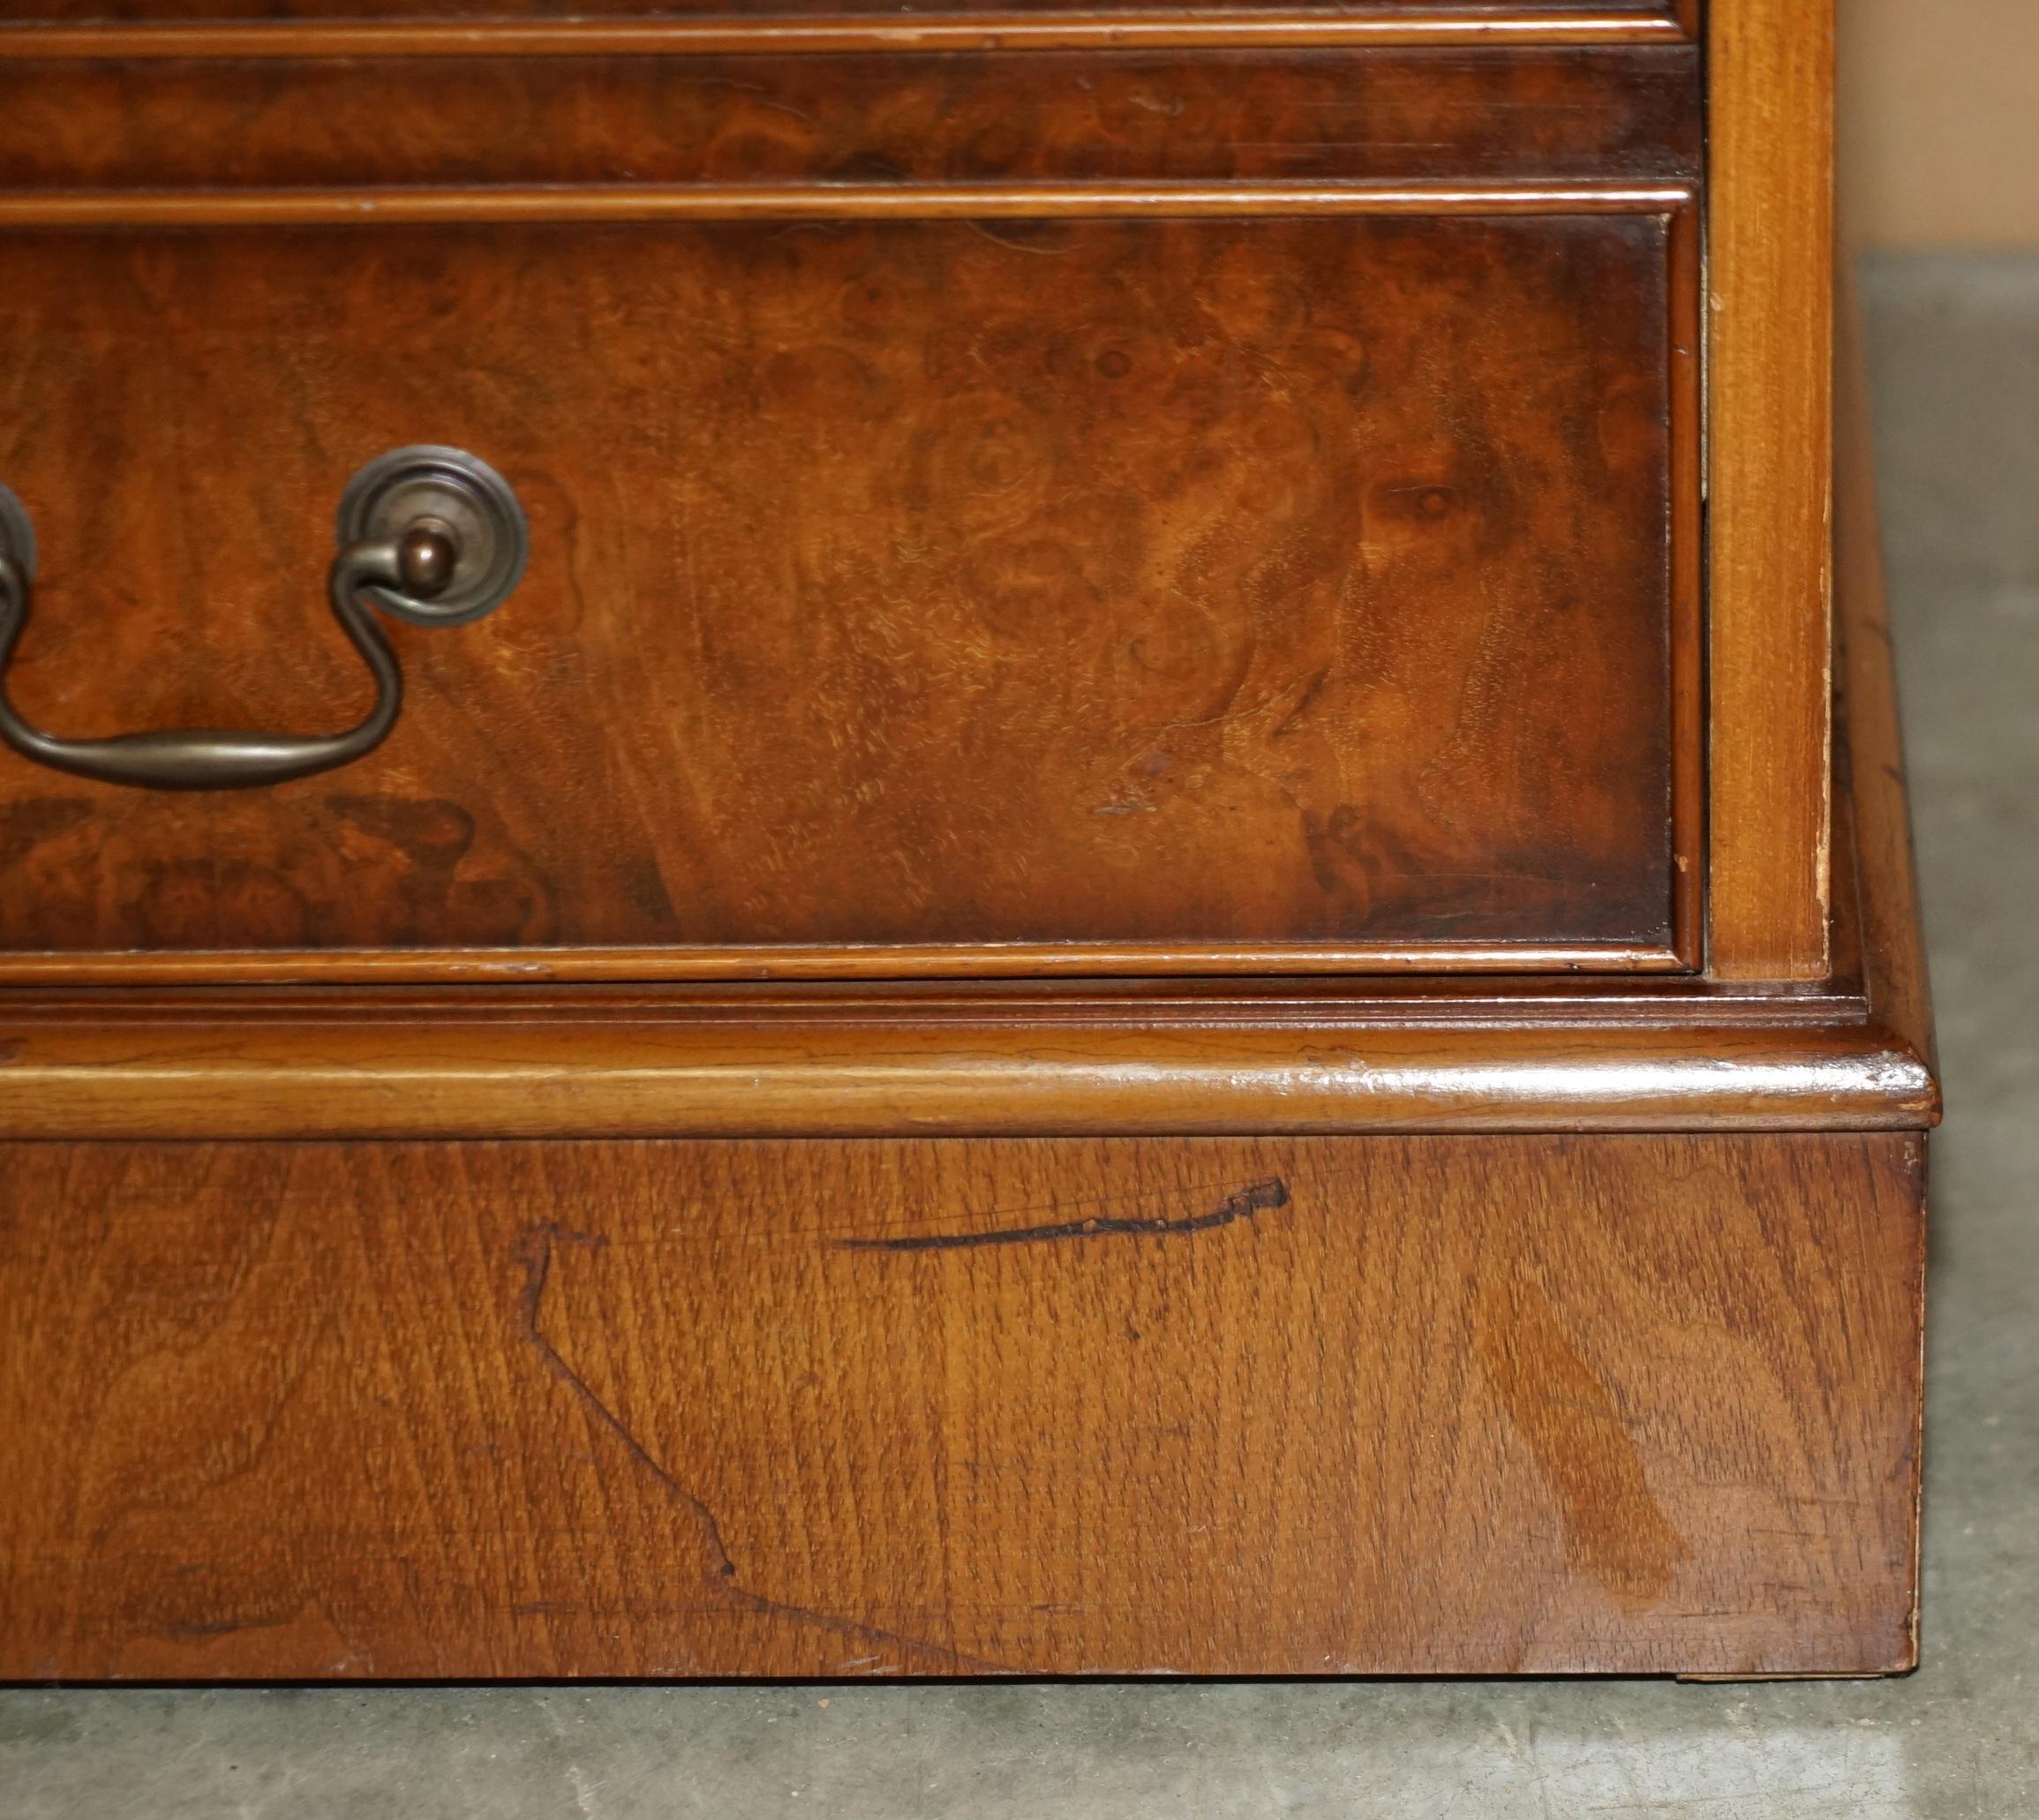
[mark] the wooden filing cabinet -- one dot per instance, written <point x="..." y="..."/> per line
<point x="1047" y="871"/>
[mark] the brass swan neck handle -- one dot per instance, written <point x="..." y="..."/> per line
<point x="429" y="534"/>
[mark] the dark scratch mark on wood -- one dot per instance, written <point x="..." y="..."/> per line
<point x="204" y="1630"/>
<point x="1262" y="1197"/>
<point x="534" y="1251"/>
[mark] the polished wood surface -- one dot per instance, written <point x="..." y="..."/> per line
<point x="1290" y="586"/>
<point x="1384" y="1405"/>
<point x="250" y="28"/>
<point x="1770" y="212"/>
<point x="1534" y="115"/>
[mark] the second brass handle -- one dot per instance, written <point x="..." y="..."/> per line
<point x="428" y="534"/>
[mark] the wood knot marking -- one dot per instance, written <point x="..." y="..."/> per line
<point x="1262" y="1197"/>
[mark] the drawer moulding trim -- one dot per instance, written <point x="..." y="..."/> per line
<point x="1078" y="960"/>
<point x="1172" y="28"/>
<point x="513" y="1076"/>
<point x="822" y="201"/>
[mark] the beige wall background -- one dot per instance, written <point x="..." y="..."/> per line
<point x="1939" y="122"/>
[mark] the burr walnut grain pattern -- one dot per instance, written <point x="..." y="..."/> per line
<point x="1387" y="1405"/>
<point x="1633" y="113"/>
<point x="1298" y="581"/>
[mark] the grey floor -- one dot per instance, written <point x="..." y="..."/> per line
<point x="1956" y="350"/>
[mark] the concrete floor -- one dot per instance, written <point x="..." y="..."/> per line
<point x="1956" y="346"/>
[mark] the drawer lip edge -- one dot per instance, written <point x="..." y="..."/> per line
<point x="845" y="961"/>
<point x="1290" y="27"/>
<point x="404" y="205"/>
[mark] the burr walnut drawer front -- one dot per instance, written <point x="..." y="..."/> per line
<point x="1189" y="533"/>
<point x="1153" y="592"/>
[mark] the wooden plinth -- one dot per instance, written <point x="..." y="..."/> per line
<point x="1424" y="1405"/>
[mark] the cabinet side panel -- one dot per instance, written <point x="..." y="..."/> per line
<point x="1770" y="320"/>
